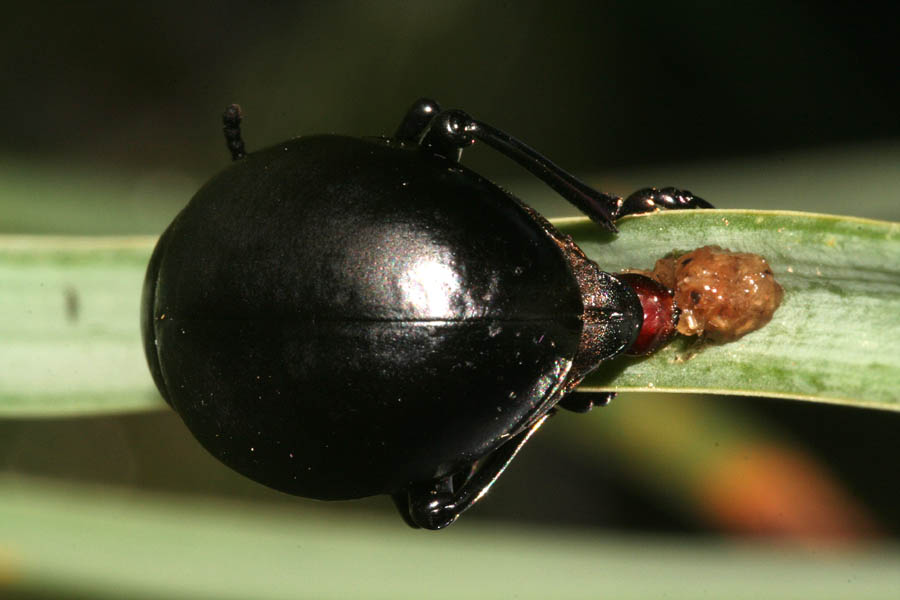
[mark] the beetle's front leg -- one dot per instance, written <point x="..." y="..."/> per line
<point x="453" y="130"/>
<point x="653" y="199"/>
<point x="583" y="402"/>
<point x="436" y="504"/>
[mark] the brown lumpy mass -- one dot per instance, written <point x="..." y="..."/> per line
<point x="722" y="295"/>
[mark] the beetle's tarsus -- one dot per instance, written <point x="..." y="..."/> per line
<point x="653" y="199"/>
<point x="231" y="121"/>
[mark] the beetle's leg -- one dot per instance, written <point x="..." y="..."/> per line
<point x="417" y="119"/>
<point x="231" y="121"/>
<point x="652" y="199"/>
<point x="583" y="402"/>
<point x="453" y="130"/>
<point x="435" y="504"/>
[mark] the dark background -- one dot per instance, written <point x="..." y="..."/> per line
<point x="592" y="84"/>
<point x="133" y="88"/>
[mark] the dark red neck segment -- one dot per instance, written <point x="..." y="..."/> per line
<point x="660" y="313"/>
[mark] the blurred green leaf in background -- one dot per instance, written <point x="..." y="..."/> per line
<point x="101" y="543"/>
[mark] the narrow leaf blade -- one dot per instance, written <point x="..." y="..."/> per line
<point x="69" y="334"/>
<point x="836" y="336"/>
<point x="71" y="343"/>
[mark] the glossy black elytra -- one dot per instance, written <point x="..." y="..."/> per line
<point x="339" y="317"/>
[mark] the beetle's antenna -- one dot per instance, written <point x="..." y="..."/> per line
<point x="231" y="120"/>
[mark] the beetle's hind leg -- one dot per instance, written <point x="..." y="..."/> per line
<point x="438" y="503"/>
<point x="417" y="120"/>
<point x="653" y="199"/>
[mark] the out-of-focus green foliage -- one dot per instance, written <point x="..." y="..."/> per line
<point x="74" y="542"/>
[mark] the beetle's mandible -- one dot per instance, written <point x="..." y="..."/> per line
<point x="339" y="317"/>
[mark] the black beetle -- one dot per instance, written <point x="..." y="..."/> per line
<point x="340" y="317"/>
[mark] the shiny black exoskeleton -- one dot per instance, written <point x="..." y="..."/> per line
<point x="339" y="317"/>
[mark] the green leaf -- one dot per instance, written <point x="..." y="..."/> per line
<point x="71" y="341"/>
<point x="835" y="338"/>
<point x="89" y="542"/>
<point x="69" y="333"/>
